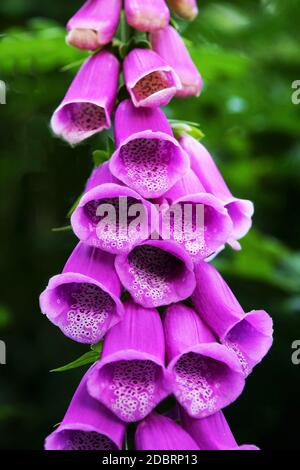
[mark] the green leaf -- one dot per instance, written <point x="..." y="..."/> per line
<point x="97" y="347"/>
<point x="174" y="23"/>
<point x="67" y="228"/>
<point x="72" y="65"/>
<point x="110" y="146"/>
<point x="88" y="358"/>
<point x="100" y="156"/>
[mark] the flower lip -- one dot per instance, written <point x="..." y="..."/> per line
<point x="219" y="375"/>
<point x="250" y="338"/>
<point x="85" y="225"/>
<point x="156" y="273"/>
<point x="172" y="167"/>
<point x="58" y="438"/>
<point x="75" y="131"/>
<point x="150" y="80"/>
<point x="164" y="91"/>
<point x="55" y="303"/>
<point x="117" y="372"/>
<point x="83" y="38"/>
<point x="217" y="214"/>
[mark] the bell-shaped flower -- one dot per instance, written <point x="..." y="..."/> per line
<point x="204" y="375"/>
<point x="170" y="46"/>
<point x="112" y="216"/>
<point x="195" y="219"/>
<point x="186" y="9"/>
<point x="87" y="106"/>
<point x="150" y="81"/>
<point x="248" y="335"/>
<point x="157" y="432"/>
<point x="156" y="273"/>
<point x="212" y="433"/>
<point x="87" y="425"/>
<point x="94" y="24"/>
<point x="84" y="301"/>
<point x="202" y="163"/>
<point x="130" y="378"/>
<point x="148" y="157"/>
<point x="147" y="15"/>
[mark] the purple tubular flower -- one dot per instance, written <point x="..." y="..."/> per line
<point x="87" y="106"/>
<point x="204" y="375"/>
<point x="148" y="157"/>
<point x="84" y="301"/>
<point x="240" y="210"/>
<point x="150" y="81"/>
<point x="158" y="432"/>
<point x="130" y="377"/>
<point x="169" y="45"/>
<point x="198" y="220"/>
<point x="94" y="24"/>
<point x="111" y="216"/>
<point x="87" y="425"/>
<point x="248" y="335"/>
<point x="187" y="9"/>
<point x="212" y="433"/>
<point x="156" y="273"/>
<point x="147" y="15"/>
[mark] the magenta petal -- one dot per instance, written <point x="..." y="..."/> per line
<point x="130" y="377"/>
<point x="204" y="375"/>
<point x="147" y="15"/>
<point x="150" y="81"/>
<point x="158" y="432"/>
<point x="156" y="273"/>
<point x="148" y="158"/>
<point x="87" y="106"/>
<point x="198" y="220"/>
<point x="248" y="335"/>
<point x="113" y="218"/>
<point x="170" y="46"/>
<point x="100" y="175"/>
<point x="87" y="425"/>
<point x="94" y="24"/>
<point x="187" y="9"/>
<point x="240" y="210"/>
<point x="212" y="433"/>
<point x="84" y="301"/>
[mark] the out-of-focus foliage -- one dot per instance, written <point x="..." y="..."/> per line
<point x="248" y="54"/>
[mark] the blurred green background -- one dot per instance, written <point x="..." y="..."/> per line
<point x="248" y="54"/>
